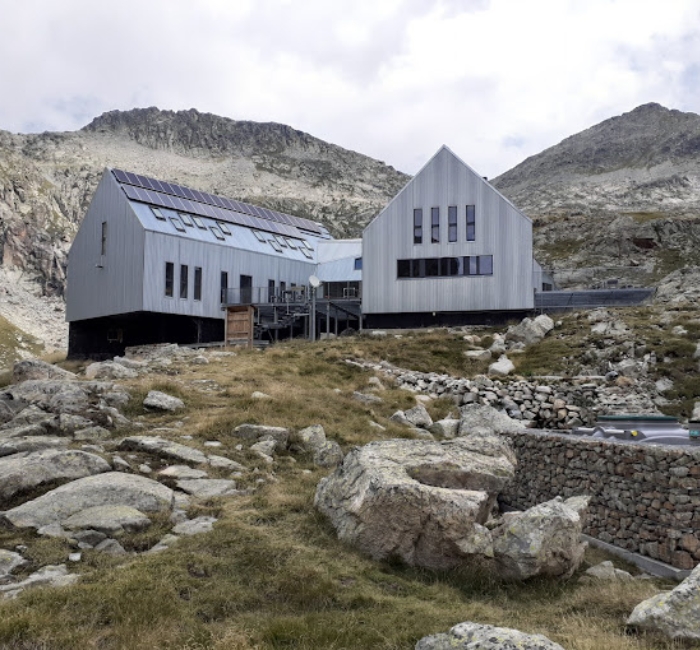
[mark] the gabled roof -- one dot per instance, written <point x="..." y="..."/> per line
<point x="456" y="157"/>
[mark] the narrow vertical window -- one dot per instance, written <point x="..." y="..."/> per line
<point x="435" y="225"/>
<point x="184" y="280"/>
<point x="169" y="278"/>
<point x="418" y="226"/>
<point x="103" y="239"/>
<point x="270" y="291"/>
<point x="452" y="223"/>
<point x="224" y="285"/>
<point x="358" y="264"/>
<point x="197" y="283"/>
<point x="471" y="223"/>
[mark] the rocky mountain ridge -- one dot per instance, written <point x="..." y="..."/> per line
<point x="623" y="196"/>
<point x="619" y="200"/>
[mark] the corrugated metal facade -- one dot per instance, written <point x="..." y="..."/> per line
<point x="130" y="276"/>
<point x="501" y="231"/>
<point x="102" y="285"/>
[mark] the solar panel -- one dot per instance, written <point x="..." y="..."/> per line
<point x="120" y="176"/>
<point x="171" y="195"/>
<point x="130" y="192"/>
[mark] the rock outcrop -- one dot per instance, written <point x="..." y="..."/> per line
<point x="474" y="636"/>
<point x="424" y="502"/>
<point x="430" y="504"/>
<point x="675" y="614"/>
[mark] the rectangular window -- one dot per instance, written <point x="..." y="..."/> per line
<point x="259" y="236"/>
<point x="275" y="244"/>
<point x="445" y="267"/>
<point x="177" y="224"/>
<point x="224" y="228"/>
<point x="224" y="286"/>
<point x="246" y="289"/>
<point x="198" y="222"/>
<point x="169" y="278"/>
<point x="283" y="291"/>
<point x="197" y="282"/>
<point x="291" y="243"/>
<point x="184" y="280"/>
<point x="471" y="223"/>
<point x="418" y="226"/>
<point x="103" y="239"/>
<point x="157" y="213"/>
<point x="449" y="266"/>
<point x="358" y="263"/>
<point x="435" y="225"/>
<point x="452" y="223"/>
<point x="485" y="264"/>
<point x="217" y="233"/>
<point x="271" y="291"/>
<point x="186" y="219"/>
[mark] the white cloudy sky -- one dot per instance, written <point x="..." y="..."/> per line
<point x="496" y="80"/>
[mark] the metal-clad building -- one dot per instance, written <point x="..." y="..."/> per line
<point x="155" y="262"/>
<point x="449" y="244"/>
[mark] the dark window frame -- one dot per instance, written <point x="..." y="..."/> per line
<point x="169" y="279"/>
<point x="224" y="286"/>
<point x="197" y="292"/>
<point x="358" y="264"/>
<point x="418" y="225"/>
<point x="103" y="239"/>
<point x="452" y="224"/>
<point x="471" y="223"/>
<point x="445" y="267"/>
<point x="435" y="225"/>
<point x="184" y="281"/>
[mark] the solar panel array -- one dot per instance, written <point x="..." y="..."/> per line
<point x="184" y="199"/>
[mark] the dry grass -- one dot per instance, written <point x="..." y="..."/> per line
<point x="272" y="573"/>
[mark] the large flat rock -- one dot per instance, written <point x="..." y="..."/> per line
<point x="423" y="501"/>
<point x="111" y="488"/>
<point x="163" y="448"/>
<point x="27" y="471"/>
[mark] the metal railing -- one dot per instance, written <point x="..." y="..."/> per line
<point x="265" y="296"/>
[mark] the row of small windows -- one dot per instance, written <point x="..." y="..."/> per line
<point x="220" y="230"/>
<point x="445" y="267"/>
<point x="452" y="216"/>
<point x="184" y="281"/>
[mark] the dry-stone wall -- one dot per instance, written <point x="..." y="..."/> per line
<point x="646" y="499"/>
<point x="545" y="403"/>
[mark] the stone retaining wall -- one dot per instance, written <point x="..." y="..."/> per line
<point x="644" y="498"/>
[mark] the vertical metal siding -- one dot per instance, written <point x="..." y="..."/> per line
<point x="213" y="259"/>
<point x="501" y="231"/>
<point x="110" y="284"/>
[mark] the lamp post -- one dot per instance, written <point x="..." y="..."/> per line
<point x="315" y="283"/>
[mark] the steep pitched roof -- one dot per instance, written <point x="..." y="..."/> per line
<point x="465" y="165"/>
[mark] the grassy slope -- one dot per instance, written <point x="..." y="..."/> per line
<point x="272" y="573"/>
<point x="14" y="342"/>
